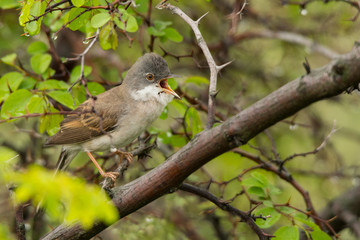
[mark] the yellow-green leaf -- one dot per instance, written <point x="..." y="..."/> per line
<point x="9" y="59"/>
<point x="78" y="3"/>
<point x="63" y="97"/>
<point x="286" y="233"/>
<point x="15" y="104"/>
<point x="40" y="62"/>
<point x="100" y="20"/>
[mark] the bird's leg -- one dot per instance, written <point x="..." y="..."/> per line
<point x="122" y="155"/>
<point x="112" y="175"/>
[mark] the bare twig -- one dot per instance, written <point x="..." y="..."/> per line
<point x="321" y="146"/>
<point x="214" y="68"/>
<point x="245" y="216"/>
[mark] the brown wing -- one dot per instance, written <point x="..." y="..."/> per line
<point x="87" y="124"/>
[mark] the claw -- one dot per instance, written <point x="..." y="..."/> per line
<point x="112" y="175"/>
<point x="128" y="156"/>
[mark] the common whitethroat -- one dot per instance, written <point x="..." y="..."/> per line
<point x="116" y="117"/>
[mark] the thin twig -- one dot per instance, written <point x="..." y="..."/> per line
<point x="214" y="68"/>
<point x="226" y="207"/>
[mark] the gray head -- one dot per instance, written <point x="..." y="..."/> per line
<point x="150" y="69"/>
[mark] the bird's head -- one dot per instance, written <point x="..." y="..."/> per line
<point x="148" y="77"/>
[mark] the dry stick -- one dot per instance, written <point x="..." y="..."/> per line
<point x="81" y="56"/>
<point x="321" y="146"/>
<point x="245" y="216"/>
<point x="214" y="69"/>
<point x="326" y="82"/>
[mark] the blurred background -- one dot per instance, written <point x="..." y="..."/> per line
<point x="267" y="42"/>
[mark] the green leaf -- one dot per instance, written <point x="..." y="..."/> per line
<point x="286" y="233"/>
<point x="161" y="25"/>
<point x="179" y="106"/>
<point x="40" y="62"/>
<point x="172" y="83"/>
<point x="15" y="104"/>
<point x="173" y="35"/>
<point x="75" y="73"/>
<point x="37" y="47"/>
<point x="62" y="97"/>
<point x="128" y="20"/>
<point x="79" y="20"/>
<point x="100" y="19"/>
<point x="319" y="235"/>
<point x="197" y="80"/>
<point x="193" y="119"/>
<point x="52" y="84"/>
<point x="32" y="28"/>
<point x="25" y="12"/>
<point x="305" y="220"/>
<point x="258" y="191"/>
<point x="108" y="37"/>
<point x="9" y="59"/>
<point x="274" y="190"/>
<point x="36" y="105"/>
<point x="261" y="178"/>
<point x="37" y="9"/>
<point x="155" y="32"/>
<point x="95" y="88"/>
<point x="252" y="182"/>
<point x="50" y="123"/>
<point x="28" y="83"/>
<point x="142" y="5"/>
<point x="78" y="3"/>
<point x="164" y="113"/>
<point x="272" y="216"/>
<point x="12" y="80"/>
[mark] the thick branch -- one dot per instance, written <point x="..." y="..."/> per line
<point x="331" y="80"/>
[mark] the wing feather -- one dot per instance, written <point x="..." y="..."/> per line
<point x="87" y="124"/>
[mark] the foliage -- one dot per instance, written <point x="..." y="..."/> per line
<point x="43" y="75"/>
<point x="53" y="192"/>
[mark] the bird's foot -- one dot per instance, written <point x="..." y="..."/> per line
<point x="112" y="175"/>
<point x="128" y="156"/>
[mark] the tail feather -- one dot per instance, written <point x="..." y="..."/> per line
<point x="65" y="159"/>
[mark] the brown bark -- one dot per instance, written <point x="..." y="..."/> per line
<point x="328" y="81"/>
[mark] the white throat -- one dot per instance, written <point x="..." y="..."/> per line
<point x="152" y="92"/>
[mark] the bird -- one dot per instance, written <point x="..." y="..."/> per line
<point x="114" y="118"/>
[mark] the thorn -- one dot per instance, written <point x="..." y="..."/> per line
<point x="215" y="93"/>
<point x="197" y="21"/>
<point x="218" y="68"/>
<point x="307" y="66"/>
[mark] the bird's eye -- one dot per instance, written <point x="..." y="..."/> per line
<point x="150" y="76"/>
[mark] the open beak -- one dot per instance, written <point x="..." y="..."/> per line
<point x="163" y="84"/>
